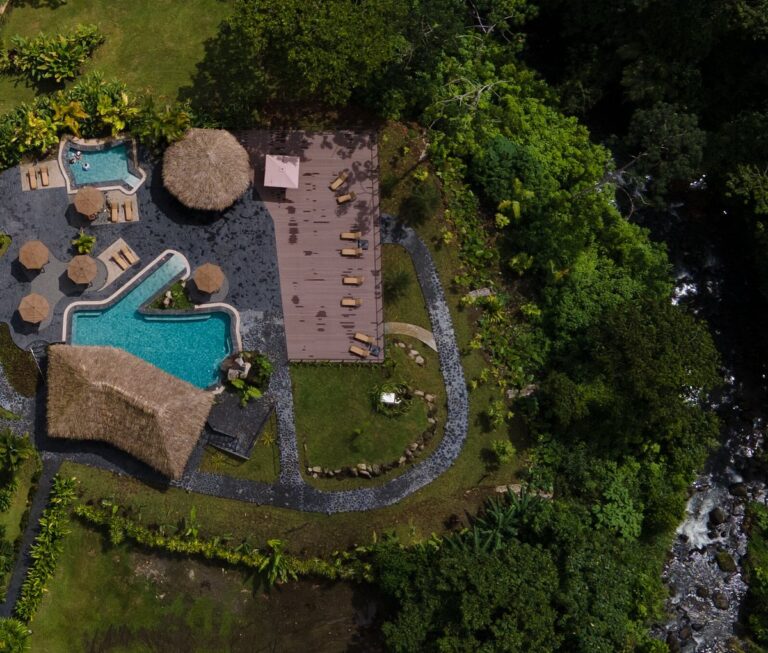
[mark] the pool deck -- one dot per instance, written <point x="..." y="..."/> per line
<point x="308" y="222"/>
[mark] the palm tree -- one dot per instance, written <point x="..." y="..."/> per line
<point x="13" y="451"/>
<point x="14" y="636"/>
<point x="84" y="243"/>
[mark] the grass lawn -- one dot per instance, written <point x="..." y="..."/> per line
<point x="335" y="419"/>
<point x="150" y="45"/>
<point x="263" y="465"/>
<point x="118" y="600"/>
<point x="18" y="364"/>
<point x="403" y="301"/>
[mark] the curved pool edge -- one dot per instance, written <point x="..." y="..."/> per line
<point x="152" y="266"/>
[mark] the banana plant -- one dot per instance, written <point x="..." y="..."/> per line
<point x="68" y="116"/>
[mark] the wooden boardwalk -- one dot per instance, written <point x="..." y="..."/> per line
<point x="308" y="224"/>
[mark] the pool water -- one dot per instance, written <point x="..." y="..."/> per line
<point x="110" y="164"/>
<point x="189" y="347"/>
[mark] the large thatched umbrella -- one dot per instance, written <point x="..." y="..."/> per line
<point x="33" y="255"/>
<point x="82" y="269"/>
<point x="89" y="201"/>
<point x="207" y="169"/>
<point x="208" y="278"/>
<point x="34" y="308"/>
<point x="102" y="393"/>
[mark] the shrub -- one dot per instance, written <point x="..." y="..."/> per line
<point x="57" y="57"/>
<point x="84" y="243"/>
<point x="46" y="548"/>
<point x="14" y="636"/>
<point x="503" y="451"/>
<point x="400" y="390"/>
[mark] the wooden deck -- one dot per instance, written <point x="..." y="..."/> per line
<point x="308" y="222"/>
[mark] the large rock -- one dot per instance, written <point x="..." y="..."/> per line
<point x="725" y="561"/>
<point x="739" y="490"/>
<point x="720" y="600"/>
<point x="717" y="516"/>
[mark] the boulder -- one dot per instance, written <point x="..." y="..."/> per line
<point x="685" y="633"/>
<point x="702" y="592"/>
<point x="419" y="360"/>
<point x="673" y="643"/>
<point x="402" y="460"/>
<point x="717" y="516"/>
<point x="725" y="561"/>
<point x="429" y="398"/>
<point x="413" y="353"/>
<point x="720" y="600"/>
<point x="365" y="473"/>
<point x="362" y="467"/>
<point x="413" y="446"/>
<point x="739" y="490"/>
<point x="376" y="470"/>
<point x="316" y="470"/>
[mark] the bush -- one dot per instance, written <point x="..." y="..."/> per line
<point x="503" y="450"/>
<point x="400" y="390"/>
<point x="56" y="57"/>
<point x="14" y="636"/>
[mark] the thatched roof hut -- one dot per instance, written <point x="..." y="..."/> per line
<point x="207" y="169"/>
<point x="81" y="269"/>
<point x="209" y="278"/>
<point x="89" y="201"/>
<point x="33" y="255"/>
<point x="34" y="308"/>
<point x="102" y="393"/>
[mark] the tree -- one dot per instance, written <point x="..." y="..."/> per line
<point x="670" y="143"/>
<point x="84" y="243"/>
<point x="13" y="451"/>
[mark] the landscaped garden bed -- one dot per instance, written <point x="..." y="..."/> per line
<point x="339" y="426"/>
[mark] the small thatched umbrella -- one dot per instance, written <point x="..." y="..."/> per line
<point x="33" y="255"/>
<point x="34" y="308"/>
<point x="89" y="201"/>
<point x="208" y="278"/>
<point x="82" y="269"/>
<point x="208" y="169"/>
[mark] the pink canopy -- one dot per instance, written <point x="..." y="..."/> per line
<point x="281" y="171"/>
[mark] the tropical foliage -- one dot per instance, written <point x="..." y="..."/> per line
<point x="84" y="243"/>
<point x="57" y="57"/>
<point x="46" y="548"/>
<point x="14" y="636"/>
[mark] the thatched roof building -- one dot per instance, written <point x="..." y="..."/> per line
<point x="102" y="393"/>
<point x="207" y="169"/>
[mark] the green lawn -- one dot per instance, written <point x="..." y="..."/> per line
<point x="11" y="518"/>
<point x="150" y="44"/>
<point x="263" y="465"/>
<point x="335" y="417"/>
<point x="116" y="600"/>
<point x="407" y="303"/>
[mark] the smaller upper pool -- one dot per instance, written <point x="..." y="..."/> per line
<point x="102" y="165"/>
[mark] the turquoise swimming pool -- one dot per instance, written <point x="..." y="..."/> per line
<point x="190" y="347"/>
<point x="110" y="164"/>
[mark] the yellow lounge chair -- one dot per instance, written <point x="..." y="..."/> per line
<point x="129" y="256"/>
<point x="352" y="281"/>
<point x="32" y="177"/>
<point x="352" y="251"/>
<point x="122" y="264"/>
<point x="351" y="302"/>
<point x="44" y="179"/>
<point x="130" y="216"/>
<point x="358" y="351"/>
<point x="336" y="183"/>
<point x="343" y="199"/>
<point x="362" y="337"/>
<point x="350" y="235"/>
<point x="114" y="212"/>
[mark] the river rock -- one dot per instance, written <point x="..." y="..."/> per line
<point x="725" y="561"/>
<point x="702" y="592"/>
<point x="673" y="643"/>
<point x="720" y="600"/>
<point x="717" y="516"/>
<point x="685" y="633"/>
<point x="739" y="490"/>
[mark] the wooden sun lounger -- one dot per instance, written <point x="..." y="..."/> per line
<point x="343" y="199"/>
<point x="129" y="256"/>
<point x="352" y="281"/>
<point x="122" y="264"/>
<point x="32" y="177"/>
<point x="358" y="351"/>
<point x="350" y="235"/>
<point x="352" y="251"/>
<point x="351" y="302"/>
<point x="336" y="183"/>
<point x="114" y="212"/>
<point x="362" y="337"/>
<point x="130" y="216"/>
<point x="44" y="179"/>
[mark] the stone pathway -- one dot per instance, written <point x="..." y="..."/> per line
<point x="412" y="330"/>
